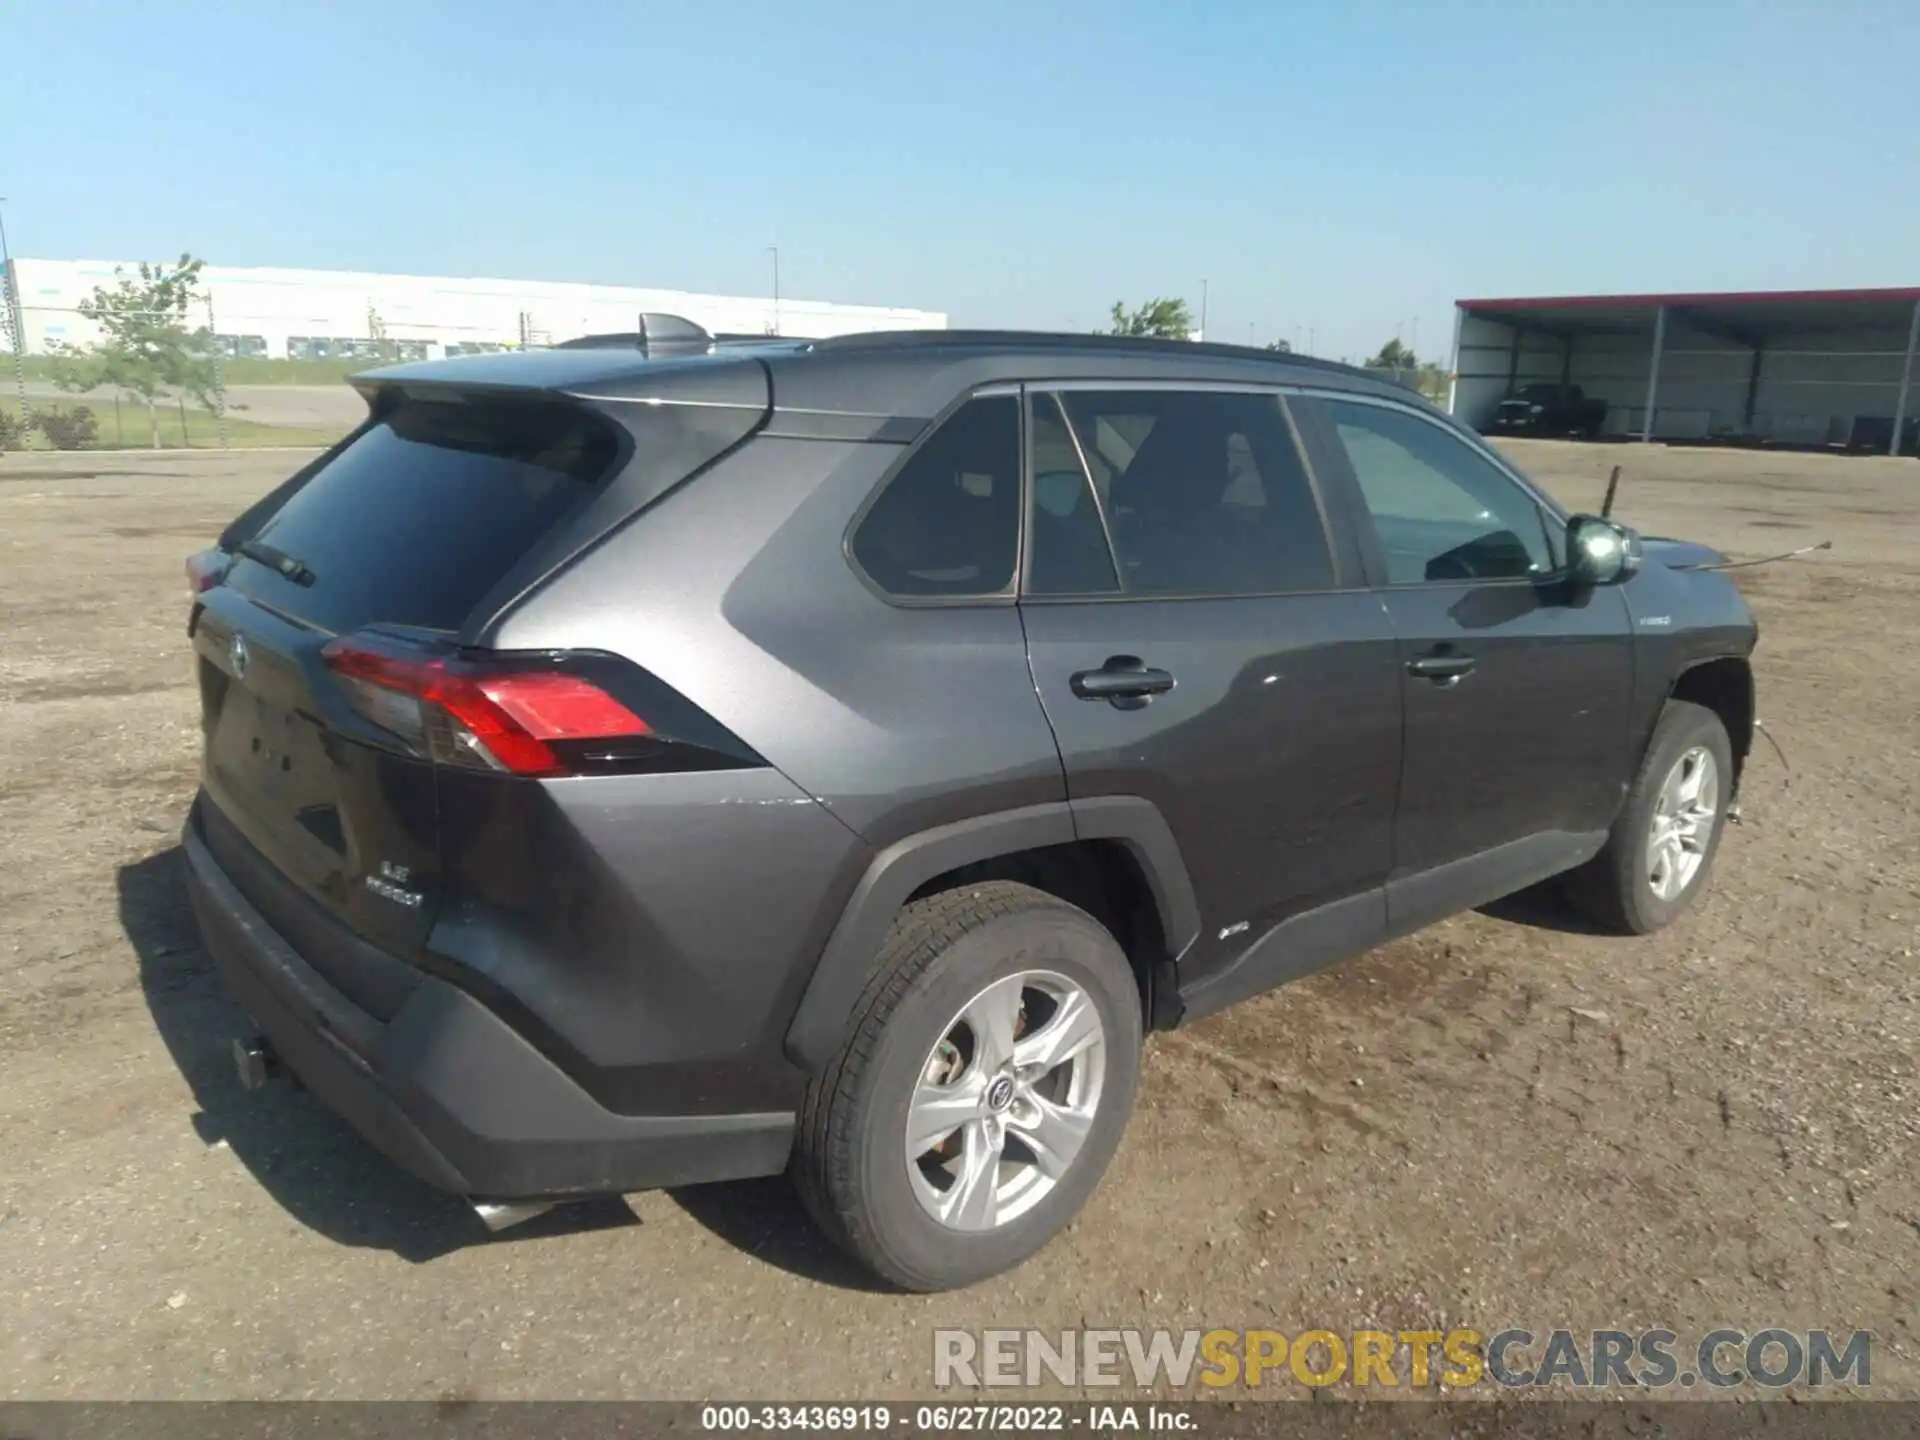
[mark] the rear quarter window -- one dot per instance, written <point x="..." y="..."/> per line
<point x="429" y="508"/>
<point x="948" y="522"/>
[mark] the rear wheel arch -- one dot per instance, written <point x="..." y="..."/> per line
<point x="1117" y="860"/>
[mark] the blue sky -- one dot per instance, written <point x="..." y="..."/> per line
<point x="1343" y="168"/>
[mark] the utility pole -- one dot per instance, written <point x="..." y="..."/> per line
<point x="1203" y="308"/>
<point x="774" y="251"/>
<point x="16" y="316"/>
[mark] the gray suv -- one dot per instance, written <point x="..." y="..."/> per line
<point x="655" y="760"/>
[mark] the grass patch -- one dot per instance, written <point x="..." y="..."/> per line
<point x="258" y="370"/>
<point x="195" y="430"/>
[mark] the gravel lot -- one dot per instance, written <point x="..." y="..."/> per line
<point x="1502" y="1119"/>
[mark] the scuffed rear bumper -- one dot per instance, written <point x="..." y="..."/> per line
<point x="449" y="1091"/>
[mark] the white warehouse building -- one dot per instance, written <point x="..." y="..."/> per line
<point x="324" y="314"/>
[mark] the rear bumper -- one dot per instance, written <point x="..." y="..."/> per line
<point x="449" y="1091"/>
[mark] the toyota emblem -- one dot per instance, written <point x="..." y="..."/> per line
<point x="237" y="653"/>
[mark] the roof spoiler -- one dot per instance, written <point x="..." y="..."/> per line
<point x="658" y="334"/>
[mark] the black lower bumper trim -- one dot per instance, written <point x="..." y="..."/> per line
<point x="449" y="1091"/>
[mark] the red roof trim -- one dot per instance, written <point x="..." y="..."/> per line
<point x="1731" y="297"/>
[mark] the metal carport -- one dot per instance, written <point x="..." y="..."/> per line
<point x="1802" y="367"/>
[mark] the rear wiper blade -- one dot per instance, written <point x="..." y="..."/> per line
<point x="292" y="567"/>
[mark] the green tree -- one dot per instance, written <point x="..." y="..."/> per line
<point x="1162" y="319"/>
<point x="149" y="346"/>
<point x="1426" y="376"/>
<point x="1393" y="356"/>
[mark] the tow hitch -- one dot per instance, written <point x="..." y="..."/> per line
<point x="254" y="1061"/>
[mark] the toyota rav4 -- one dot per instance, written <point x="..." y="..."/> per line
<point x="653" y="761"/>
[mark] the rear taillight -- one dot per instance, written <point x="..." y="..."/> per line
<point x="206" y="570"/>
<point x="524" y="716"/>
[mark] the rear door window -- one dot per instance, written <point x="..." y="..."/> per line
<point x="1200" y="492"/>
<point x="426" y="510"/>
<point x="948" y="523"/>
<point x="1070" y="552"/>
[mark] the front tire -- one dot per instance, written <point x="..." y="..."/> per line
<point x="984" y="1085"/>
<point x="1660" y="852"/>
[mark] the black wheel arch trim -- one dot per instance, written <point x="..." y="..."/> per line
<point x="819" y="1022"/>
<point x="1747" y="703"/>
<point x="1143" y="830"/>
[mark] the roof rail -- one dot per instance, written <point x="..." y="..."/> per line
<point x="658" y="334"/>
<point x="1062" y="340"/>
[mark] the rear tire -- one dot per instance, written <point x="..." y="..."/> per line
<point x="957" y="970"/>
<point x="1659" y="855"/>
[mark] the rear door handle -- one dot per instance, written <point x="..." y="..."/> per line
<point x="1443" y="669"/>
<point x="1122" y="678"/>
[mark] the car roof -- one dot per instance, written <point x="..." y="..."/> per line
<point x="905" y="373"/>
<point x="918" y="372"/>
<point x="1043" y="342"/>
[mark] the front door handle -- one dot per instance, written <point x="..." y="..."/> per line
<point x="1441" y="669"/>
<point x="1122" y="679"/>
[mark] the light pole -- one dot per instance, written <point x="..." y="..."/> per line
<point x="1203" y="308"/>
<point x="16" y="317"/>
<point x="774" y="251"/>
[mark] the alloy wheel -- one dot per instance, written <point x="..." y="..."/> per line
<point x="1004" y="1100"/>
<point x="1683" y="823"/>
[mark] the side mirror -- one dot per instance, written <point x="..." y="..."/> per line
<point x="1600" y="552"/>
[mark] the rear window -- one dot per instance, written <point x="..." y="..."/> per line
<point x="424" y="512"/>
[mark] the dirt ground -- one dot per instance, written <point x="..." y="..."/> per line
<point x="1501" y="1120"/>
